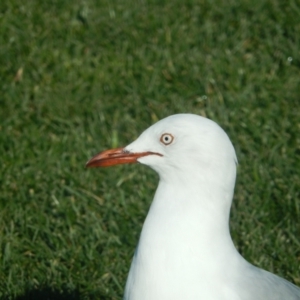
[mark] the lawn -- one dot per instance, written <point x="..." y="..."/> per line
<point x="82" y="76"/>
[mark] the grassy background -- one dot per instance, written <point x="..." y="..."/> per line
<point x="81" y="76"/>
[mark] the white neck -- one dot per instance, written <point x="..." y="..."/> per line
<point x="185" y="239"/>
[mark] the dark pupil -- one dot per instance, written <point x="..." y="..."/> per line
<point x="166" y="138"/>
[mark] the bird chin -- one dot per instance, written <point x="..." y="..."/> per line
<point x="150" y="160"/>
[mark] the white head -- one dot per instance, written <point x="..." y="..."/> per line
<point x="189" y="145"/>
<point x="181" y="148"/>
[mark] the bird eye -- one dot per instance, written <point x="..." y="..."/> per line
<point x="167" y="138"/>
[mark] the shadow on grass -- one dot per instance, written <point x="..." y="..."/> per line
<point x="49" y="294"/>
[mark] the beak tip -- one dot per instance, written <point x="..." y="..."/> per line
<point x="88" y="163"/>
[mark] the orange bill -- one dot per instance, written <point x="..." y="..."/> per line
<point x="116" y="156"/>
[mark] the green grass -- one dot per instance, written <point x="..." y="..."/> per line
<point x="78" y="77"/>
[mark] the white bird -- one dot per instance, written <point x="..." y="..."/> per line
<point x="185" y="251"/>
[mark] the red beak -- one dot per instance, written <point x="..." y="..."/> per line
<point x="116" y="156"/>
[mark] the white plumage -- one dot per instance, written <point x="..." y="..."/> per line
<point x="185" y="251"/>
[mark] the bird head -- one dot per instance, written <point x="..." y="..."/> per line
<point x="184" y="144"/>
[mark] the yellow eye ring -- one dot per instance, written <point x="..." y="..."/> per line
<point x="167" y="138"/>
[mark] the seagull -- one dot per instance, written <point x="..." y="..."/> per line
<point x="185" y="251"/>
